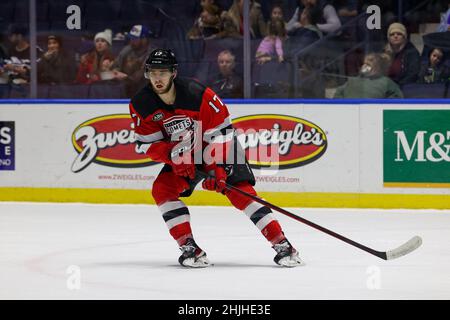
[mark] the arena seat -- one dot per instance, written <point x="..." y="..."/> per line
<point x="69" y="91"/>
<point x="106" y="90"/>
<point x="420" y="90"/>
<point x="271" y="79"/>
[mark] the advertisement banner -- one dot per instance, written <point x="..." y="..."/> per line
<point x="416" y="148"/>
<point x="348" y="150"/>
<point x="7" y="145"/>
<point x="297" y="141"/>
<point x="107" y="140"/>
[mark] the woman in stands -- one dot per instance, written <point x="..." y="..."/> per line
<point x="208" y="25"/>
<point x="405" y="57"/>
<point x="257" y="23"/>
<point x="96" y="61"/>
<point x="56" y="64"/>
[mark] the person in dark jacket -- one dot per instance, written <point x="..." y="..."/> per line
<point x="56" y="65"/>
<point x="329" y="21"/>
<point x="311" y="83"/>
<point x="405" y="57"/>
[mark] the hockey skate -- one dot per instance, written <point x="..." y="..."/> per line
<point x="286" y="256"/>
<point x="193" y="256"/>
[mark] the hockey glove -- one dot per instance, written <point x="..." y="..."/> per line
<point x="184" y="166"/>
<point x="216" y="182"/>
<point x="184" y="169"/>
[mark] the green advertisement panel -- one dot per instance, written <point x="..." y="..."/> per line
<point x="416" y="148"/>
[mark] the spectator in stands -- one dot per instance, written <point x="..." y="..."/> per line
<point x="405" y="57"/>
<point x="257" y="23"/>
<point x="329" y="20"/>
<point x="434" y="71"/>
<point x="227" y="84"/>
<point x="18" y="64"/>
<point x="372" y="82"/>
<point x="310" y="61"/>
<point x="346" y="9"/>
<point x="445" y="21"/>
<point x="97" y="64"/>
<point x="129" y="63"/>
<point x="56" y="64"/>
<point x="228" y="28"/>
<point x="276" y="12"/>
<point x="308" y="32"/>
<point x="271" y="47"/>
<point x="208" y="25"/>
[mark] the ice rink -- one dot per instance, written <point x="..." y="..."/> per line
<point x="81" y="251"/>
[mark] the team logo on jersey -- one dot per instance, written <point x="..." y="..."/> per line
<point x="107" y="140"/>
<point x="177" y="124"/>
<point x="280" y="141"/>
<point x="158" y="116"/>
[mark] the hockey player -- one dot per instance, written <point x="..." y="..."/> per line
<point x="168" y="114"/>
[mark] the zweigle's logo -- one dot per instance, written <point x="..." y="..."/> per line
<point x="416" y="148"/>
<point x="107" y="140"/>
<point x="279" y="141"/>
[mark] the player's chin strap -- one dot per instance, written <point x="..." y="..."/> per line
<point x="400" y="251"/>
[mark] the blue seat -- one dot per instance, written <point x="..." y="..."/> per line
<point x="4" y="91"/>
<point x="43" y="91"/>
<point x="69" y="91"/>
<point x="107" y="90"/>
<point x="19" y="91"/>
<point x="23" y="91"/>
<point x="272" y="79"/>
<point x="423" y="90"/>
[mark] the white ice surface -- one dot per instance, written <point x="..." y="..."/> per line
<point x="126" y="252"/>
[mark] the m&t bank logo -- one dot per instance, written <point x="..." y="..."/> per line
<point x="7" y="152"/>
<point x="416" y="148"/>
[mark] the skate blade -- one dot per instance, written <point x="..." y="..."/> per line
<point x="291" y="262"/>
<point x="201" y="262"/>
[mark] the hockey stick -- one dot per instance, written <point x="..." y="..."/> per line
<point x="398" y="252"/>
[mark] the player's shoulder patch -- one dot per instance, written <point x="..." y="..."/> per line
<point x="145" y="102"/>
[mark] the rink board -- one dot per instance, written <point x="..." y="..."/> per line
<point x="330" y="155"/>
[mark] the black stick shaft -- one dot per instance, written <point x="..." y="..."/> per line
<point x="379" y="254"/>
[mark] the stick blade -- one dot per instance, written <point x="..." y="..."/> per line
<point x="408" y="247"/>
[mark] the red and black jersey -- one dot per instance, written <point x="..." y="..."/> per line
<point x="156" y="123"/>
